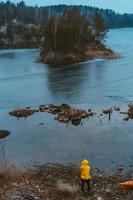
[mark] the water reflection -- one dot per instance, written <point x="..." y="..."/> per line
<point x="70" y="82"/>
<point x="97" y="85"/>
<point x="7" y="55"/>
<point x="65" y="81"/>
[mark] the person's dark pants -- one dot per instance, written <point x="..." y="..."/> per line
<point x="87" y="182"/>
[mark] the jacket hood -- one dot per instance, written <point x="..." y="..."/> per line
<point x="85" y="162"/>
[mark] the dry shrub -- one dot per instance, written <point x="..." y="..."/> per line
<point x="8" y="174"/>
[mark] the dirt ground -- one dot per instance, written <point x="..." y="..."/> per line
<point x="57" y="182"/>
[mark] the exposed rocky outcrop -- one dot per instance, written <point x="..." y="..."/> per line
<point x="22" y="112"/>
<point x="4" y="133"/>
<point x="108" y="111"/>
<point x="130" y="111"/>
<point x="64" y="113"/>
<point x="89" y="54"/>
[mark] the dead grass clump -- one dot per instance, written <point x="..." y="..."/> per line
<point x="5" y="174"/>
<point x="8" y="174"/>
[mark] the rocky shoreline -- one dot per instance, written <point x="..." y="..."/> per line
<point x="62" y="182"/>
<point x="58" y="59"/>
<point x="58" y="182"/>
<point x="89" y="54"/>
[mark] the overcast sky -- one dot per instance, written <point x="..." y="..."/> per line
<point x="121" y="6"/>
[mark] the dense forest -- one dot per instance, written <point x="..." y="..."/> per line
<point x="70" y="38"/>
<point x="72" y="33"/>
<point x="22" y="26"/>
<point x="38" y="15"/>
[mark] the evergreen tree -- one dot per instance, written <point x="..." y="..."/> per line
<point x="27" y="35"/>
<point x="48" y="34"/>
<point x="9" y="32"/>
<point x="31" y="14"/>
<point x="67" y="33"/>
<point x="100" y="28"/>
<point x="1" y="37"/>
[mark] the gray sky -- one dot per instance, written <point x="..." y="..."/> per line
<point x="117" y="5"/>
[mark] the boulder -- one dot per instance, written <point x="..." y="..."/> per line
<point x="22" y="112"/>
<point x="43" y="108"/>
<point x="108" y="111"/>
<point x="116" y="108"/>
<point x="63" y="118"/>
<point x="4" y="134"/>
<point x="130" y="105"/>
<point x="76" y="121"/>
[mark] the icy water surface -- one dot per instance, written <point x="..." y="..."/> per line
<point x="97" y="84"/>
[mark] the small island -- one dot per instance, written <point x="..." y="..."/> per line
<point x="70" y="38"/>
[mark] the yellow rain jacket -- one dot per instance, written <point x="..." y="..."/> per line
<point x="85" y="170"/>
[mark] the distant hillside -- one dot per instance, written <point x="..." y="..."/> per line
<point x="38" y="15"/>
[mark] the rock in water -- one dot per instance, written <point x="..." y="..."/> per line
<point x="76" y="121"/>
<point x="4" y="133"/>
<point x="108" y="111"/>
<point x="130" y="105"/>
<point x="22" y="112"/>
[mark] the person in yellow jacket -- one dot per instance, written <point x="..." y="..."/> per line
<point x="85" y="174"/>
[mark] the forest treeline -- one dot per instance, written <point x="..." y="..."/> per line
<point x="72" y="38"/>
<point x="38" y="15"/>
<point x="72" y="33"/>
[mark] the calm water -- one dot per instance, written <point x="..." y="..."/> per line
<point x="96" y="84"/>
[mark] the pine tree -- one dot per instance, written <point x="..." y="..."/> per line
<point x="68" y="33"/>
<point x="100" y="27"/>
<point x="9" y="32"/>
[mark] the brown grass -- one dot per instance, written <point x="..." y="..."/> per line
<point x="7" y="173"/>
